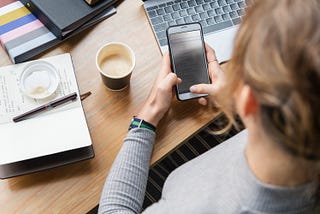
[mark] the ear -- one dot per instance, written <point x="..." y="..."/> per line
<point x="246" y="101"/>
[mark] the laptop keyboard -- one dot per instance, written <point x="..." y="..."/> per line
<point x="213" y="15"/>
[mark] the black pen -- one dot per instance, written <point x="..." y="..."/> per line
<point x="45" y="107"/>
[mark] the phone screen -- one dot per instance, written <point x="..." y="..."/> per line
<point x="188" y="59"/>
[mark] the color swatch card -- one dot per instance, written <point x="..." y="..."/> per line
<point x="23" y="36"/>
<point x="20" y="30"/>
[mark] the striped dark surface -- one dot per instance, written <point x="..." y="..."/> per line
<point x="198" y="144"/>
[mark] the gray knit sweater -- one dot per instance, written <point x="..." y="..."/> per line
<point x="219" y="181"/>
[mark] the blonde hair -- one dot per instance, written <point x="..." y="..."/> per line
<point x="277" y="53"/>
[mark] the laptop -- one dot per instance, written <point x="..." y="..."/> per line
<point x="219" y="19"/>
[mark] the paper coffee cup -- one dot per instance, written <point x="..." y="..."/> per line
<point x="115" y="62"/>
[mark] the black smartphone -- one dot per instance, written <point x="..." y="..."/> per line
<point x="188" y="58"/>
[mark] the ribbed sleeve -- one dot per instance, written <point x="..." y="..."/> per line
<point x="125" y="185"/>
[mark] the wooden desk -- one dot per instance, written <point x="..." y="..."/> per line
<point x="76" y="188"/>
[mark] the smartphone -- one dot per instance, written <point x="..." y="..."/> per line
<point x="188" y="58"/>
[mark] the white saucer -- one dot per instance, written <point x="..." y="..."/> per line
<point x="39" y="80"/>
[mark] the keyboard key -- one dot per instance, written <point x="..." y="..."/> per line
<point x="195" y="17"/>
<point x="218" y="19"/>
<point x="225" y="17"/>
<point x="206" y="7"/>
<point x="207" y="0"/>
<point x="198" y="9"/>
<point x="229" y="1"/>
<point x="176" y="7"/>
<point x="241" y="4"/>
<point x="234" y="6"/>
<point x="203" y="15"/>
<point x="216" y="27"/>
<point x="161" y="34"/>
<point x="162" y="5"/>
<point x="211" y="21"/>
<point x="156" y="20"/>
<point x="160" y="11"/>
<point x="183" y="13"/>
<point x="214" y="5"/>
<point x="175" y="15"/>
<point x="192" y="3"/>
<point x="203" y="23"/>
<point x="236" y="21"/>
<point x="199" y="2"/>
<point x="188" y="19"/>
<point x="168" y="9"/>
<point x="226" y="9"/>
<point x="152" y="8"/>
<point x="152" y="13"/>
<point x="211" y="13"/>
<point x="170" y="23"/>
<point x="177" y="1"/>
<point x="222" y="3"/>
<point x="170" y="3"/>
<point x="180" y="21"/>
<point x="240" y="12"/>
<point x="167" y="17"/>
<point x="219" y="11"/>
<point x="160" y="27"/>
<point x="184" y="5"/>
<point x="191" y="11"/>
<point x="233" y="14"/>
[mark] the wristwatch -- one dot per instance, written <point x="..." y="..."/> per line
<point x="139" y="123"/>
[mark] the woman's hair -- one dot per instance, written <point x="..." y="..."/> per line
<point x="277" y="54"/>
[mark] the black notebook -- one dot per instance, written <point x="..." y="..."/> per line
<point x="62" y="17"/>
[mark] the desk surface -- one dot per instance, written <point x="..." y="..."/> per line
<point x="76" y="188"/>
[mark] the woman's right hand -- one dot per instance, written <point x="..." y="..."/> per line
<point x="217" y="79"/>
<point x="160" y="97"/>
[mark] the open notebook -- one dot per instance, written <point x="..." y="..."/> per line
<point x="56" y="137"/>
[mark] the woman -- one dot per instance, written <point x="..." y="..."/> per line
<point x="271" y="167"/>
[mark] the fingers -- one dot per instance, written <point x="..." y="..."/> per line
<point x="215" y="71"/>
<point x="203" y="101"/>
<point x="202" y="89"/>
<point x="211" y="55"/>
<point x="166" y="64"/>
<point x="169" y="81"/>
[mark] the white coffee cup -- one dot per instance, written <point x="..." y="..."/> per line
<point x="115" y="62"/>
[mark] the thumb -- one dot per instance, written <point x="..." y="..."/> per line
<point x="202" y="89"/>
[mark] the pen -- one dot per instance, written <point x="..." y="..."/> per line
<point x="45" y="107"/>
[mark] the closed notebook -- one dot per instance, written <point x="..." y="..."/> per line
<point x="62" y="17"/>
<point x="23" y="36"/>
<point x="52" y="138"/>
